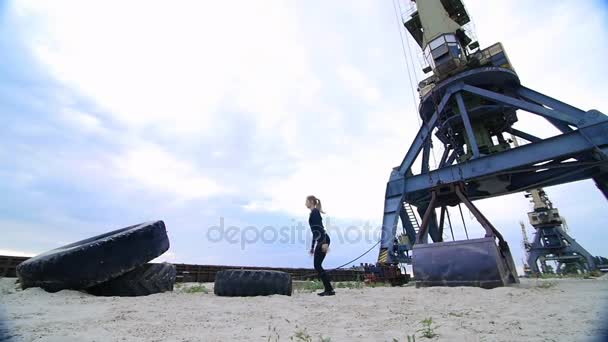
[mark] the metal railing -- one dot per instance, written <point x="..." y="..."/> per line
<point x="206" y="273"/>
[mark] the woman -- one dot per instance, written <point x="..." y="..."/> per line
<point x="321" y="239"/>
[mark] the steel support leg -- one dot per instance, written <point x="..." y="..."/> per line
<point x="433" y="229"/>
<point x="578" y="249"/>
<point x="602" y="184"/>
<point x="442" y="220"/>
<point x="426" y="152"/>
<point x="444" y="157"/>
<point x="426" y="218"/>
<point x="467" y="125"/>
<point x="523" y="135"/>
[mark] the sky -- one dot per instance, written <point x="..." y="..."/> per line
<point x="211" y="115"/>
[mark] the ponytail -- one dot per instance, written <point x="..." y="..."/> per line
<point x="316" y="202"/>
<point x="319" y="206"/>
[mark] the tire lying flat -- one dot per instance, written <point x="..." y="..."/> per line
<point x="142" y="281"/>
<point x="245" y="283"/>
<point x="94" y="260"/>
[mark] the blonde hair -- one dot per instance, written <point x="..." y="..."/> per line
<point x="316" y="202"/>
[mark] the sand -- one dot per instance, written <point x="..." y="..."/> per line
<point x="536" y="310"/>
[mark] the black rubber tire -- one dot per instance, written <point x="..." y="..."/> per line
<point x="92" y="261"/>
<point x="142" y="281"/>
<point x="245" y="283"/>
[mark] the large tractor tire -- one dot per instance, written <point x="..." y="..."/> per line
<point x="142" y="281"/>
<point x="245" y="283"/>
<point x="92" y="261"/>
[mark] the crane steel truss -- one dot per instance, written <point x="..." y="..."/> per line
<point x="469" y="103"/>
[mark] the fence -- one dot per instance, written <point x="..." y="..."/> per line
<point x="8" y="265"/>
<point x="206" y="273"/>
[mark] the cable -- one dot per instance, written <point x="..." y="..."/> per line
<point x="464" y="224"/>
<point x="450" y="222"/>
<point x="359" y="257"/>
<point x="409" y="57"/>
<point x="420" y="55"/>
<point x="407" y="67"/>
<point x="409" y="53"/>
<point x="433" y="154"/>
<point x="341" y="266"/>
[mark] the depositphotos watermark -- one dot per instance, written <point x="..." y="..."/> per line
<point x="296" y="233"/>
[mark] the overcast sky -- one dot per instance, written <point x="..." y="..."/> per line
<point x="201" y="112"/>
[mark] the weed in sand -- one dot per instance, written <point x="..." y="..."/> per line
<point x="350" y="285"/>
<point x="301" y="335"/>
<point x="589" y="275"/>
<point x="308" y="286"/>
<point x="197" y="289"/>
<point x="313" y="285"/>
<point x="273" y="334"/>
<point x="378" y="284"/>
<point x="546" y="284"/>
<point x="428" y="328"/>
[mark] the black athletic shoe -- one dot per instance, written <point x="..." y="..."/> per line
<point x="326" y="293"/>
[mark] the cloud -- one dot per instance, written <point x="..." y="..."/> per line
<point x="173" y="76"/>
<point x="347" y="189"/>
<point x="156" y="169"/>
<point x="81" y="121"/>
<point x="358" y="83"/>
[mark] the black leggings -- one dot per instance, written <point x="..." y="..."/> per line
<point x="319" y="256"/>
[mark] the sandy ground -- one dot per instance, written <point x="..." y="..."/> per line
<point x="536" y="310"/>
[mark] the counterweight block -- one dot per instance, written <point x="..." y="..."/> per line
<point x="475" y="262"/>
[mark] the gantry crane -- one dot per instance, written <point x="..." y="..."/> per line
<point x="470" y="102"/>
<point x="551" y="241"/>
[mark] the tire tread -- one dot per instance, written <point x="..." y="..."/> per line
<point x="245" y="283"/>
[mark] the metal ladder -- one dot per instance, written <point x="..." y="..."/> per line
<point x="412" y="216"/>
<point x="414" y="220"/>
